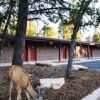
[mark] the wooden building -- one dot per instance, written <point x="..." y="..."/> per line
<point x="43" y="49"/>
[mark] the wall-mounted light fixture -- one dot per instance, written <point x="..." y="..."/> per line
<point x="32" y="46"/>
<point x="51" y="43"/>
<point x="0" y="39"/>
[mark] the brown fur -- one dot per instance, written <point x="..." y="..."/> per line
<point x="22" y="80"/>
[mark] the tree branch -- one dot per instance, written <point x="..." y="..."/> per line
<point x="9" y="11"/>
<point x="47" y="10"/>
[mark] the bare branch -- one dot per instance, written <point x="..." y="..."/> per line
<point x="47" y="10"/>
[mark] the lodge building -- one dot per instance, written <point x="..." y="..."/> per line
<point x="41" y="49"/>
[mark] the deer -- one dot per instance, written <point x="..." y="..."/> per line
<point x="21" y="79"/>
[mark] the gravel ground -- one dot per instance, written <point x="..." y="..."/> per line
<point x="85" y="82"/>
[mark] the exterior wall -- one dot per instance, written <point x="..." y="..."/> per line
<point x="29" y="53"/>
<point x="47" y="53"/>
<point x="51" y="52"/>
<point x="7" y="54"/>
<point x="96" y="52"/>
<point x="25" y="58"/>
<point x="84" y="52"/>
<point x="61" y="53"/>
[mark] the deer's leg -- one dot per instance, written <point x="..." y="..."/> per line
<point x="10" y="89"/>
<point x="19" y="90"/>
<point x="28" y="97"/>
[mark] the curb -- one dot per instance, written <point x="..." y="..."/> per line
<point x="95" y="95"/>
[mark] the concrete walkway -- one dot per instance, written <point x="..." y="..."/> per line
<point x="9" y="64"/>
<point x="55" y="62"/>
<point x="95" y="95"/>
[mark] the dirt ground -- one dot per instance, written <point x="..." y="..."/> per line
<point x="85" y="82"/>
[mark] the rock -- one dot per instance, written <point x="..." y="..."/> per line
<point x="55" y="83"/>
<point x="79" y="67"/>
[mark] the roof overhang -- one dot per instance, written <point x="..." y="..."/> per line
<point x="43" y="39"/>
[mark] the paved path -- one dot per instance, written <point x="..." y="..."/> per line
<point x="90" y="63"/>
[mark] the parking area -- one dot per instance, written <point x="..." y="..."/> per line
<point x="93" y="63"/>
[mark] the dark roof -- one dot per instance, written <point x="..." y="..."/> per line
<point x="44" y="39"/>
<point x="35" y="38"/>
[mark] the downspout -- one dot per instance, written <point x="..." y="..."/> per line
<point x="80" y="50"/>
<point x="59" y="51"/>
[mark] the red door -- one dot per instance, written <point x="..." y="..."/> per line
<point x="33" y="53"/>
<point x="90" y="52"/>
<point x="25" y="54"/>
<point x="64" y="52"/>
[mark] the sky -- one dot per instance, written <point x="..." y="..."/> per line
<point x="0" y="9"/>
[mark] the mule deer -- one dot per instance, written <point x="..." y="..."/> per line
<point x="22" y="80"/>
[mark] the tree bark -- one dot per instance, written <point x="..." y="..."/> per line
<point x="77" y="25"/>
<point x="71" y="54"/>
<point x="20" y="33"/>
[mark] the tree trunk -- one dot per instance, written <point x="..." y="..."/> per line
<point x="83" y="7"/>
<point x="20" y="33"/>
<point x="71" y="54"/>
